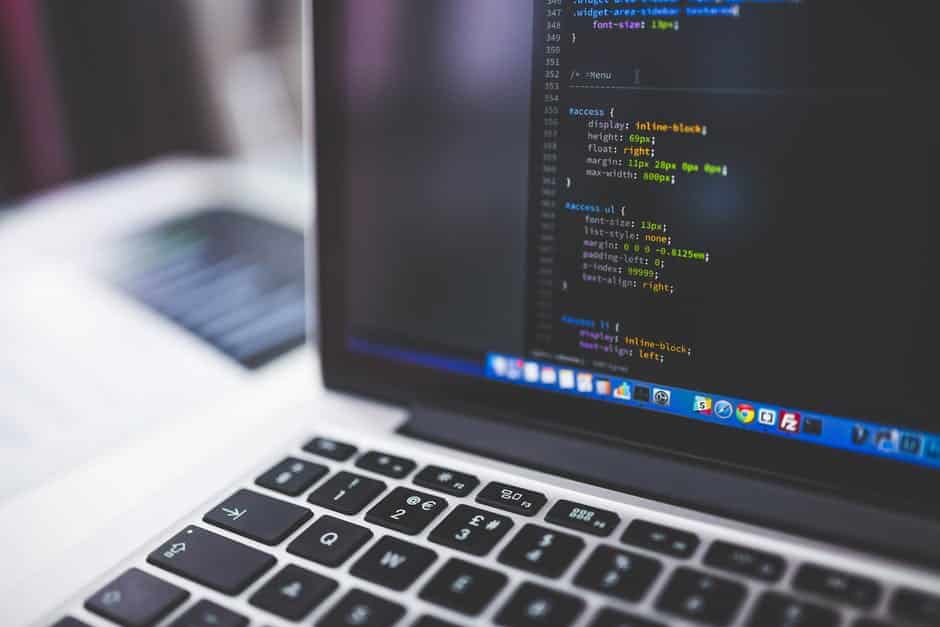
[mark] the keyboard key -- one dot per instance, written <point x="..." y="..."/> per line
<point x="385" y="464"/>
<point x="68" y="621"/>
<point x="331" y="449"/>
<point x="446" y="480"/>
<point x="329" y="541"/>
<point x="471" y="530"/>
<point x="542" y="551"/>
<point x="618" y="573"/>
<point x="346" y="493"/>
<point x="208" y="614"/>
<point x="536" y="606"/>
<point x="777" y="610"/>
<point x="136" y="599"/>
<point x="393" y="563"/>
<point x="406" y="510"/>
<point x="917" y="607"/>
<point x="361" y="609"/>
<point x="463" y="587"/>
<point x="292" y="476"/>
<point x="258" y="517"/>
<point x="838" y="586"/>
<point x="431" y="621"/>
<point x="598" y="522"/>
<point x="612" y="618"/>
<point x="512" y="499"/>
<point x="293" y="592"/>
<point x="701" y="598"/>
<point x="659" y="538"/>
<point x="744" y="561"/>
<point x="210" y="559"/>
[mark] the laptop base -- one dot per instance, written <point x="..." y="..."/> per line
<point x="647" y="474"/>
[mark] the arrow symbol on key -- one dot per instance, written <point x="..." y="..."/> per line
<point x="234" y="513"/>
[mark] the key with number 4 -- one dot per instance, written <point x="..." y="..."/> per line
<point x="542" y="551"/>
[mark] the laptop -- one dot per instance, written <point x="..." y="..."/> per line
<point x="148" y="261"/>
<point x="624" y="322"/>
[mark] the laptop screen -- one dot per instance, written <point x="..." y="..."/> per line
<point x="709" y="209"/>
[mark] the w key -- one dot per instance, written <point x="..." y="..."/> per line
<point x="407" y="511"/>
<point x="393" y="563"/>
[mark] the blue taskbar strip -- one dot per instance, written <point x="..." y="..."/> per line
<point x="847" y="434"/>
<point x="416" y="358"/>
<point x="841" y="433"/>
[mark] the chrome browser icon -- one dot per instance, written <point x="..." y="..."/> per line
<point x="745" y="413"/>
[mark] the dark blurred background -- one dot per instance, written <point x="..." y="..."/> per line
<point x="87" y="87"/>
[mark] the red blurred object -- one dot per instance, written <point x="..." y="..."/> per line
<point x="37" y="120"/>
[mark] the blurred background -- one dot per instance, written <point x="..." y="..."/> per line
<point x="153" y="202"/>
<point x="88" y="87"/>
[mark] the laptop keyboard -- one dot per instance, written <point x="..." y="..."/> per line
<point x="463" y="555"/>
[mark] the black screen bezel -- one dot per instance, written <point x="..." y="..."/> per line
<point x="873" y="480"/>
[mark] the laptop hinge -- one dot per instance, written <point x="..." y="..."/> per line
<point x="657" y="476"/>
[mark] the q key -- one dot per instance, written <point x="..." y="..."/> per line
<point x="329" y="541"/>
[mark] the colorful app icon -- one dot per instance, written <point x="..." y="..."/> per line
<point x="724" y="410"/>
<point x="662" y="397"/>
<point x="641" y="393"/>
<point x="790" y="422"/>
<point x="812" y="426"/>
<point x="702" y="405"/>
<point x="911" y="444"/>
<point x="767" y="417"/>
<point x="860" y="434"/>
<point x="585" y="382"/>
<point x="745" y="413"/>
<point x="499" y="365"/>
<point x="566" y="379"/>
<point x="602" y="387"/>
<point x="549" y="375"/>
<point x="622" y="391"/>
<point x="530" y="372"/>
<point x="514" y="369"/>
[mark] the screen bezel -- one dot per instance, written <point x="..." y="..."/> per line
<point x="872" y="480"/>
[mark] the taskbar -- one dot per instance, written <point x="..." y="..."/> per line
<point x="847" y="434"/>
<point x="832" y="431"/>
